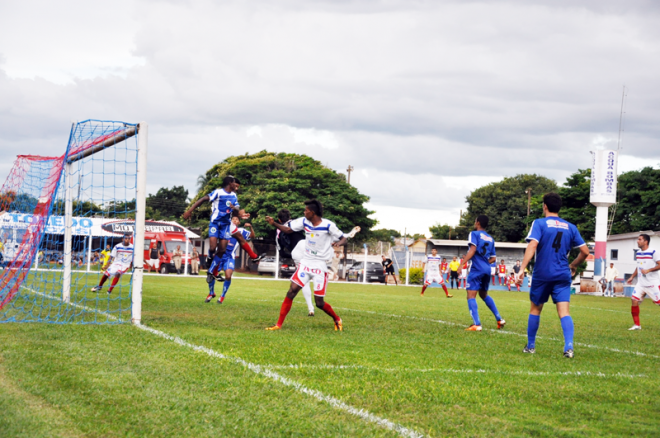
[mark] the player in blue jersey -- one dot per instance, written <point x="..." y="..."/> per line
<point x="482" y="253"/>
<point x="550" y="240"/>
<point x="227" y="263"/>
<point x="223" y="202"/>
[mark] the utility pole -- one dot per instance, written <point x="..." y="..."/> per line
<point x="529" y="199"/>
<point x="349" y="170"/>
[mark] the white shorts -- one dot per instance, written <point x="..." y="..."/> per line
<point x="314" y="271"/>
<point x="653" y="292"/>
<point x="492" y="271"/>
<point x="434" y="277"/>
<point x="502" y="275"/>
<point x="298" y="252"/>
<point x="117" y="269"/>
<point x="464" y="273"/>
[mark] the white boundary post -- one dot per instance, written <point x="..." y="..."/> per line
<point x="407" y="265"/>
<point x="186" y="258"/>
<point x="364" y="271"/>
<point x="277" y="262"/>
<point x="138" y="238"/>
<point x="68" y="223"/>
<point x="89" y="252"/>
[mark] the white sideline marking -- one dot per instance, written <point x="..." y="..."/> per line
<point x="458" y="371"/>
<point x="585" y="307"/>
<point x="266" y="371"/>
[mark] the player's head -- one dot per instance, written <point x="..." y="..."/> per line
<point x="552" y="201"/>
<point x="434" y="251"/>
<point x="107" y="246"/>
<point x="313" y="208"/>
<point x="643" y="241"/>
<point x="517" y="262"/>
<point x="383" y="257"/>
<point x="502" y="261"/>
<point x="126" y="239"/>
<point x="228" y="183"/>
<point x="481" y="222"/>
<point x="444" y="259"/>
<point x="235" y="220"/>
<point x="284" y="215"/>
<point x="237" y="184"/>
<point x="454" y="258"/>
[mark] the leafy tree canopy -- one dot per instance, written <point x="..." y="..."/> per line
<point x="446" y="232"/>
<point x="384" y="235"/>
<point x="505" y="204"/>
<point x="272" y="181"/>
<point x="167" y="204"/>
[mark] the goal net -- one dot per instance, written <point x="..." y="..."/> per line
<point x="58" y="217"/>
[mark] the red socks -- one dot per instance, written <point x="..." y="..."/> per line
<point x="635" y="314"/>
<point x="423" y="289"/>
<point x="446" y="291"/>
<point x="328" y="309"/>
<point x="284" y="311"/>
<point x="246" y="247"/>
<point x="103" y="279"/>
<point x="114" y="283"/>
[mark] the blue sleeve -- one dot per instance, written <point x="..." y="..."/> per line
<point x="213" y="195"/>
<point x="473" y="239"/>
<point x="246" y="234"/>
<point x="235" y="202"/>
<point x="535" y="231"/>
<point x="577" y="239"/>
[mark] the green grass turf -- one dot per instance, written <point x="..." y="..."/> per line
<point x="107" y="381"/>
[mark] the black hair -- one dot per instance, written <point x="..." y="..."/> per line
<point x="227" y="180"/>
<point x="284" y="215"/>
<point x="483" y="220"/>
<point x="236" y="180"/>
<point x="646" y="237"/>
<point x="553" y="202"/>
<point x="127" y="235"/>
<point x="315" y="206"/>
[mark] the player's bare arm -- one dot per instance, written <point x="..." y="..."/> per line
<point x="340" y="242"/>
<point x="193" y="207"/>
<point x="251" y="230"/>
<point x="492" y="260"/>
<point x="584" y="253"/>
<point x="529" y="253"/>
<point x="653" y="269"/>
<point x="282" y="228"/>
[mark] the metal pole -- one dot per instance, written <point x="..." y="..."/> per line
<point x="364" y="271"/>
<point x="407" y="265"/>
<point x="277" y="262"/>
<point x="186" y="259"/>
<point x="68" y="222"/>
<point x="89" y="252"/>
<point x="140" y="205"/>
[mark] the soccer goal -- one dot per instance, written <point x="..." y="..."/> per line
<point x="58" y="217"/>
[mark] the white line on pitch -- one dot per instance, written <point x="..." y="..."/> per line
<point x="585" y="307"/>
<point x="457" y="371"/>
<point x="265" y="371"/>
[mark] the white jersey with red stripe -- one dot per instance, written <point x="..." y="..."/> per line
<point x="122" y="255"/>
<point x="647" y="260"/>
<point x="433" y="264"/>
<point x="318" y="239"/>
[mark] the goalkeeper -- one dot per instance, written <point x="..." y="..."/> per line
<point x="122" y="260"/>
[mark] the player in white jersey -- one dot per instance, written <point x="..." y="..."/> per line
<point x="433" y="274"/>
<point x="121" y="260"/>
<point x="319" y="236"/>
<point x="648" y="277"/>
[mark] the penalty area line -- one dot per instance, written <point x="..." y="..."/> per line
<point x="268" y="372"/>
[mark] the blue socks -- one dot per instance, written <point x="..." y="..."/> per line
<point x="493" y="308"/>
<point x="225" y="286"/>
<point x="212" y="287"/>
<point x="215" y="263"/>
<point x="474" y="311"/>
<point x="568" y="329"/>
<point x="532" y="329"/>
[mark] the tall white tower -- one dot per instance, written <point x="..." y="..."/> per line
<point x="603" y="194"/>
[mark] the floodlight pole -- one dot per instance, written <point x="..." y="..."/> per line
<point x="138" y="238"/>
<point x="68" y="223"/>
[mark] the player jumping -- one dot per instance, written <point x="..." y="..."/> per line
<point x="648" y="279"/>
<point x="482" y="254"/>
<point x="119" y="262"/>
<point x="319" y="235"/>
<point x="433" y="275"/>
<point x="223" y="202"/>
<point x="550" y="240"/>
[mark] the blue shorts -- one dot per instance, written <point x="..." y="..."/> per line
<point x="541" y="290"/>
<point x="478" y="281"/>
<point x="221" y="231"/>
<point x="227" y="264"/>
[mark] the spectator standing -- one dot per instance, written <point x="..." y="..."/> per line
<point x="176" y="258"/>
<point x="611" y="274"/>
<point x="194" y="262"/>
<point x="388" y="269"/>
<point x="516" y="268"/>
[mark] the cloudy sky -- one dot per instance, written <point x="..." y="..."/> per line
<point x="426" y="99"/>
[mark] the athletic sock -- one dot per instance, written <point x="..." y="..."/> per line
<point x="225" y="287"/>
<point x="212" y="287"/>
<point x="568" y="329"/>
<point x="446" y="291"/>
<point x="474" y="311"/>
<point x="423" y="289"/>
<point x="248" y="249"/>
<point x="327" y="308"/>
<point x="286" y="306"/>
<point x="114" y="283"/>
<point x="633" y="309"/>
<point x="532" y="327"/>
<point x="493" y="308"/>
<point x="103" y="280"/>
<point x="215" y="263"/>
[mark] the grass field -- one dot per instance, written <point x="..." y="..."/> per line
<point x="402" y="359"/>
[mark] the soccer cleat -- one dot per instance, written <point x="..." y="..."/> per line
<point x="275" y="327"/>
<point x="339" y="326"/>
<point x="450" y="296"/>
<point x="209" y="298"/>
<point x="96" y="288"/>
<point x="529" y="350"/>
<point x="568" y="354"/>
<point x="310" y="314"/>
<point x="210" y="277"/>
<point x="221" y="300"/>
<point x="473" y="328"/>
<point x="635" y="327"/>
<point x="501" y="323"/>
<point x="258" y="258"/>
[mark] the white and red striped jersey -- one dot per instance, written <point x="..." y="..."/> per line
<point x="647" y="260"/>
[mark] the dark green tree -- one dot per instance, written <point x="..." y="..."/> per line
<point x="384" y="235"/>
<point x="168" y="204"/>
<point x="271" y="181"/>
<point x="505" y="204"/>
<point x="576" y="206"/>
<point x="638" y="197"/>
<point x="446" y="232"/>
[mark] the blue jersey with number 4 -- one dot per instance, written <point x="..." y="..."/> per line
<point x="555" y="237"/>
<point x="485" y="250"/>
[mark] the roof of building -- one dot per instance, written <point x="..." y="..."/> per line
<point x="626" y="236"/>
<point x="443" y="242"/>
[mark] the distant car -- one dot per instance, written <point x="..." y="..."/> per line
<point x="287" y="268"/>
<point x="374" y="272"/>
<point x="267" y="266"/>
